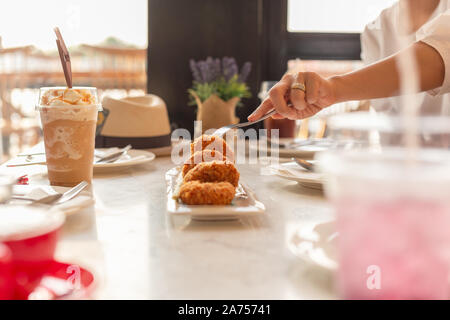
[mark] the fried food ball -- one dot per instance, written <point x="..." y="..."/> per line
<point x="198" y="193"/>
<point x="215" y="171"/>
<point x="201" y="156"/>
<point x="212" y="143"/>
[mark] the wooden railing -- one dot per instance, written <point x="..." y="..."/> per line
<point x="27" y="68"/>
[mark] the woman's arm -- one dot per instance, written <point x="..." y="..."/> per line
<point x="379" y="80"/>
<point x="382" y="79"/>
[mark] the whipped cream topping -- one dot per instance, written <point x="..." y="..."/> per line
<point x="68" y="97"/>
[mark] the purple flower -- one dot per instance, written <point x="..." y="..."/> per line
<point x="245" y="71"/>
<point x="195" y="71"/>
<point x="229" y="68"/>
<point x="211" y="70"/>
<point x="217" y="69"/>
<point x="204" y="71"/>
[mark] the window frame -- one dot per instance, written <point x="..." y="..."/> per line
<point x="323" y="46"/>
<point x="310" y="45"/>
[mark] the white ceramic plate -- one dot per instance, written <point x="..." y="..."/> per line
<point x="244" y="204"/>
<point x="292" y="171"/>
<point x="75" y="205"/>
<point x="304" y="152"/>
<point x="315" y="244"/>
<point x="132" y="158"/>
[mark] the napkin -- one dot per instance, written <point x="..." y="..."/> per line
<point x="82" y="200"/>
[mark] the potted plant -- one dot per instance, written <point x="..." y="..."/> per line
<point x="217" y="90"/>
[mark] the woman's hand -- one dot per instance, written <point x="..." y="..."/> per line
<point x="295" y="103"/>
<point x="378" y="80"/>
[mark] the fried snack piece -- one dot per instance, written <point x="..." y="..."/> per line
<point x="202" y="156"/>
<point x="215" y="171"/>
<point x="207" y="193"/>
<point x="212" y="143"/>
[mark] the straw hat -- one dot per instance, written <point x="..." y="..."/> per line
<point x="141" y="121"/>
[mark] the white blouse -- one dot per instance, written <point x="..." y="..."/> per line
<point x="381" y="39"/>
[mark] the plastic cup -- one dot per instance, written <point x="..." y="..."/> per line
<point x="392" y="206"/>
<point x="69" y="135"/>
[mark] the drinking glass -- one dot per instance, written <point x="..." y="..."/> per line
<point x="392" y="203"/>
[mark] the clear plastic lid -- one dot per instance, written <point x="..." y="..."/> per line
<point x="382" y="151"/>
<point x="51" y="97"/>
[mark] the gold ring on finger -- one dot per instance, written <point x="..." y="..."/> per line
<point x="298" y="86"/>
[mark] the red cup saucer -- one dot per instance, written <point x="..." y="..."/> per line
<point x="60" y="281"/>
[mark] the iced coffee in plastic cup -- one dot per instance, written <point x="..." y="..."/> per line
<point x="69" y="118"/>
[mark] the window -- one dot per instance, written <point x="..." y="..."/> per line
<point x="24" y="22"/>
<point x="332" y="16"/>
<point x="328" y="29"/>
<point x="319" y="29"/>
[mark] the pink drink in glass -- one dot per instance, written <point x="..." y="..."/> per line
<point x="393" y="249"/>
<point x="393" y="219"/>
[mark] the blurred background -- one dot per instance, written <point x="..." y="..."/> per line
<point x="108" y="45"/>
<point x="138" y="46"/>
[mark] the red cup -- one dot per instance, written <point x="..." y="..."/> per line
<point x="31" y="235"/>
<point x="286" y="127"/>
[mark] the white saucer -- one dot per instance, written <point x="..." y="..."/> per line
<point x="84" y="200"/>
<point x="315" y="244"/>
<point x="132" y="158"/>
<point x="305" y="152"/>
<point x="292" y="171"/>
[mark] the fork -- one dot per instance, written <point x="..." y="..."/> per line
<point x="309" y="166"/>
<point x="46" y="200"/>
<point x="57" y="198"/>
<point x="220" y="132"/>
<point x="113" y="157"/>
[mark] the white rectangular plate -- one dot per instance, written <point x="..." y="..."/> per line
<point x="244" y="203"/>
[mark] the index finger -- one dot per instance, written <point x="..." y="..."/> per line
<point x="263" y="109"/>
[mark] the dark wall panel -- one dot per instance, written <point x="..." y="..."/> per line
<point x="183" y="29"/>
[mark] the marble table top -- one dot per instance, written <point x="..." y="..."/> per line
<point x="137" y="251"/>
